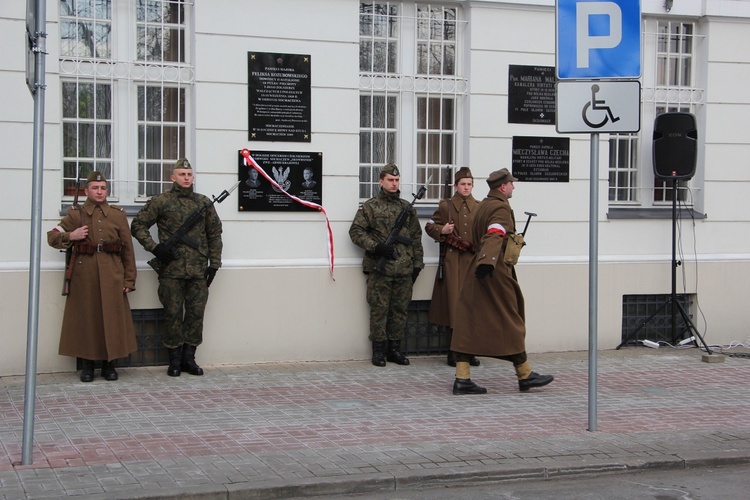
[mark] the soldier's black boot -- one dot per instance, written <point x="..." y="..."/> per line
<point x="175" y="361"/>
<point x="87" y="370"/>
<point x="394" y="354"/>
<point x="466" y="386"/>
<point x="378" y="353"/>
<point x="108" y="370"/>
<point x="534" y="380"/>
<point x="188" y="360"/>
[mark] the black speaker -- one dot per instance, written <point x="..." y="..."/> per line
<point x="675" y="145"/>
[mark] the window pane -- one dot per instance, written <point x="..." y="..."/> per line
<point x="365" y="155"/>
<point x="378" y="108"/>
<point x="174" y="104"/>
<point x="104" y="141"/>
<point x="433" y="148"/>
<point x="447" y="114"/>
<point x="421" y="113"/>
<point x="449" y="60"/>
<point x="174" y="45"/>
<point x="446" y="152"/>
<point x="365" y="56"/>
<point x="69" y="98"/>
<point x="86" y="140"/>
<point x="70" y="140"/>
<point x="392" y="103"/>
<point x="171" y="142"/>
<point x="102" y="34"/>
<point x="378" y="147"/>
<point x="103" y="101"/>
<point x="421" y="149"/>
<point x="365" y="111"/>
<point x="153" y="142"/>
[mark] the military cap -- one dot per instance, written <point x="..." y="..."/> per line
<point x="391" y="169"/>
<point x="183" y="163"/>
<point x="95" y="177"/>
<point x="463" y="173"/>
<point x="500" y="177"/>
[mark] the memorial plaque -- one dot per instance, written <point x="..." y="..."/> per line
<point x="297" y="173"/>
<point x="531" y="94"/>
<point x="541" y="159"/>
<point x="278" y="97"/>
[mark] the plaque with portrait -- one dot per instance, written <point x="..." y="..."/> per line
<point x="293" y="172"/>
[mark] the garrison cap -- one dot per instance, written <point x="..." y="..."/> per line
<point x="463" y="173"/>
<point x="183" y="163"/>
<point x="95" y="177"/>
<point x="500" y="177"/>
<point x="391" y="169"/>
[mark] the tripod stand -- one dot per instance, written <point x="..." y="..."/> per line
<point x="672" y="299"/>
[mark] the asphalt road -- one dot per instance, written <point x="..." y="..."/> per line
<point x="705" y="483"/>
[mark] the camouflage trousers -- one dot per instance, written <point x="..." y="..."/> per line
<point x="389" y="299"/>
<point x="184" y="302"/>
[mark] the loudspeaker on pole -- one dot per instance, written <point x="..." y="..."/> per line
<point x="675" y="145"/>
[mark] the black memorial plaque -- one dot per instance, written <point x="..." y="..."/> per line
<point x="298" y="173"/>
<point x="541" y="159"/>
<point x="278" y="97"/>
<point x="531" y="94"/>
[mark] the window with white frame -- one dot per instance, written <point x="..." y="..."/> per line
<point x="670" y="83"/>
<point x="411" y="92"/>
<point x="126" y="75"/>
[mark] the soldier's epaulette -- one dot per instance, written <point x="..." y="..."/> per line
<point x="117" y="207"/>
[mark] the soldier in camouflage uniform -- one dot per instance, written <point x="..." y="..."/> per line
<point x="388" y="292"/>
<point x="185" y="275"/>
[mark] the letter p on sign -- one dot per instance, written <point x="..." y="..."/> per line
<point x="598" y="39"/>
<point x="587" y="33"/>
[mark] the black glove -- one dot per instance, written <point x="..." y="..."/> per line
<point x="414" y="274"/>
<point x="163" y="253"/>
<point x="384" y="250"/>
<point x="484" y="270"/>
<point x="210" y="275"/>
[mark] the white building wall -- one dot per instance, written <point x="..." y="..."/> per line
<point x="274" y="300"/>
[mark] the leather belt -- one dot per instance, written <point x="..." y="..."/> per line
<point x="91" y="249"/>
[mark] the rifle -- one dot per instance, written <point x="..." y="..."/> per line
<point x="443" y="246"/>
<point x="69" y="257"/>
<point x="393" y="236"/>
<point x="180" y="235"/>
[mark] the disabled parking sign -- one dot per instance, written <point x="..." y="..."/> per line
<point x="598" y="39"/>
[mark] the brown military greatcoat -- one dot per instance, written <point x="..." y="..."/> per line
<point x="97" y="322"/>
<point x="445" y="292"/>
<point x="490" y="317"/>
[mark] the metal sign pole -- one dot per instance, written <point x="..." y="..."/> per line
<point x="593" y="276"/>
<point x="32" y="333"/>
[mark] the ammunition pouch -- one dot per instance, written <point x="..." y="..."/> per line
<point x="513" y="245"/>
<point x="459" y="243"/>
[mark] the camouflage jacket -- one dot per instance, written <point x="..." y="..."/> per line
<point x="373" y="224"/>
<point x="169" y="211"/>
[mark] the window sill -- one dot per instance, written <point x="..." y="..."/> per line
<point x="650" y="213"/>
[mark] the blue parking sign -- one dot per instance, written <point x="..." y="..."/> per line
<point x="598" y="39"/>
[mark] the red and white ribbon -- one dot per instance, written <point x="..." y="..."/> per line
<point x="249" y="161"/>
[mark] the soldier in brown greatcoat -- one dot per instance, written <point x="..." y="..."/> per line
<point x="97" y="323"/>
<point x="490" y="318"/>
<point x="451" y="225"/>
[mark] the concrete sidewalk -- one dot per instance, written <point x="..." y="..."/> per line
<point x="298" y="429"/>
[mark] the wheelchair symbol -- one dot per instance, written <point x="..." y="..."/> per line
<point x="597" y="105"/>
